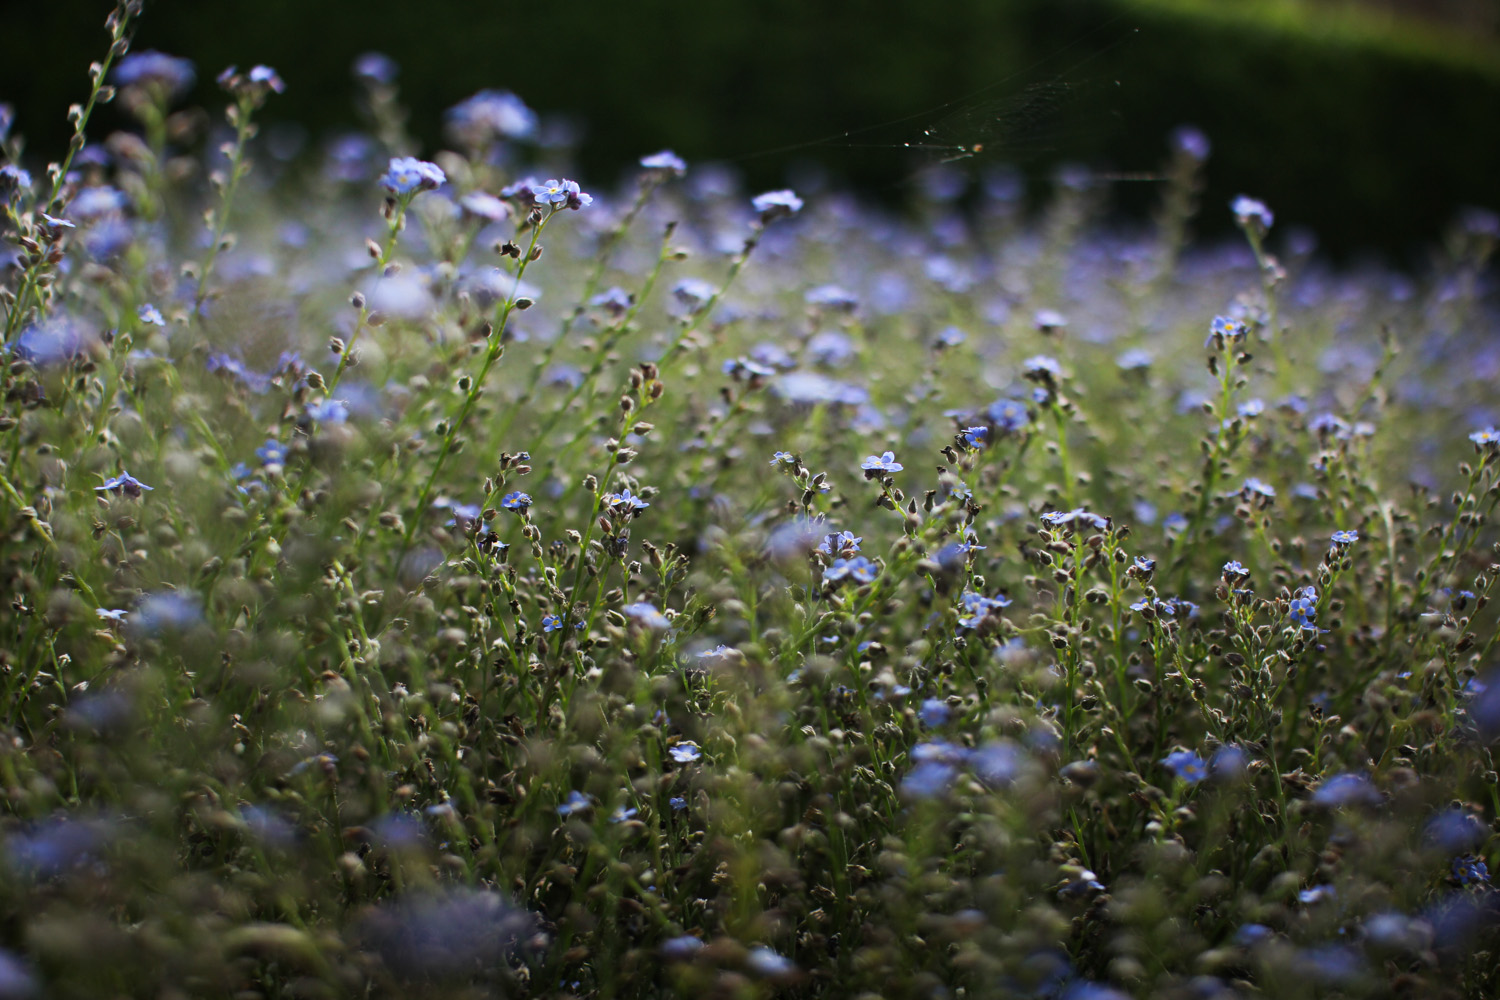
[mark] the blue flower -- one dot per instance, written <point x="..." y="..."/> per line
<point x="1135" y="359"/>
<point x="885" y="462"/>
<point x="1487" y="438"/>
<point x="252" y="380"/>
<point x="1191" y="142"/>
<point x="516" y="500"/>
<point x="1303" y="609"/>
<point x="1470" y="870"/>
<point x="14" y="178"/>
<point x="240" y="471"/>
<point x="489" y="115"/>
<point x="770" y="356"/>
<point x="1256" y="488"/>
<point x="1047" y="320"/>
<point x="1151" y="609"/>
<point x="484" y="205"/>
<point x="928" y="778"/>
<point x="444" y="935"/>
<point x="976" y="606"/>
<point x="168" y="611"/>
<point x="809" y="388"/>
<point x="664" y="164"/>
<point x="1229" y="763"/>
<point x="694" y="293"/>
<point x="745" y="368"/>
<point x="976" y="437"/>
<point x="520" y="192"/>
<point x="377" y="68"/>
<point x="1342" y="538"/>
<point x="934" y="713"/>
<point x="1008" y="415"/>
<point x="1251" y="214"/>
<point x="622" y="813"/>
<point x="677" y="802"/>
<point x="1041" y="368"/>
<point x="1083" y="989"/>
<point x="398" y="831"/>
<point x="776" y="205"/>
<point x="560" y="194"/>
<point x="1224" y="330"/>
<point x="266" y="78"/>
<point x="1346" y="790"/>
<point x="52" y="847"/>
<point x="123" y="483"/>
<point x="1331" y="964"/>
<point x="681" y="948"/>
<point x="765" y="962"/>
<point x="328" y="411"/>
<point x="831" y="297"/>
<point x="624" y="503"/>
<point x="616" y="301"/>
<point x="551" y="623"/>
<point x="959" y="490"/>
<point x="997" y="763"/>
<point x="783" y="458"/>
<point x="273" y="452"/>
<point x="644" y="613"/>
<point x="1250" y="935"/>
<point x="1186" y="765"/>
<point x="464" y="514"/>
<point x="1084" y="883"/>
<point x="1234" y="572"/>
<point x="1454" y="831"/>
<point x="859" y="569"/>
<point x="1060" y="518"/>
<point x="686" y="752"/>
<point x="54" y="340"/>
<point x="407" y="175"/>
<point x="151" y="69"/>
<point x="840" y="543"/>
<point x="151" y="315"/>
<point x="576" y="802"/>
<point x="1326" y="424"/>
<point x="720" y="655"/>
<point x="831" y="348"/>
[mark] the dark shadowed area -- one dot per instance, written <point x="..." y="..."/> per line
<point x="1365" y="132"/>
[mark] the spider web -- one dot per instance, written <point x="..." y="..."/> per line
<point x="1008" y="121"/>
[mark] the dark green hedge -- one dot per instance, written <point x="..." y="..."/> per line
<point x="1369" y="145"/>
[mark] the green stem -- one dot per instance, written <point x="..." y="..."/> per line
<point x="238" y="167"/>
<point x="118" y="24"/>
<point x="496" y="347"/>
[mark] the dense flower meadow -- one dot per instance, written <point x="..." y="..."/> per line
<point x="427" y="578"/>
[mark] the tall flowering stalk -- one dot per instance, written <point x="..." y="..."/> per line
<point x="34" y="282"/>
<point x="249" y="91"/>
<point x="404" y="179"/>
<point x="547" y="200"/>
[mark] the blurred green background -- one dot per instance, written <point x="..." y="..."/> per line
<point x="1372" y="123"/>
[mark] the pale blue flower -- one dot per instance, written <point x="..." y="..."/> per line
<point x="407" y="175"/>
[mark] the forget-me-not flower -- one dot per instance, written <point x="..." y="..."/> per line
<point x="408" y="175"/>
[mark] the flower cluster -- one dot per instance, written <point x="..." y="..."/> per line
<point x="407" y="175"/>
<point x="562" y="575"/>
